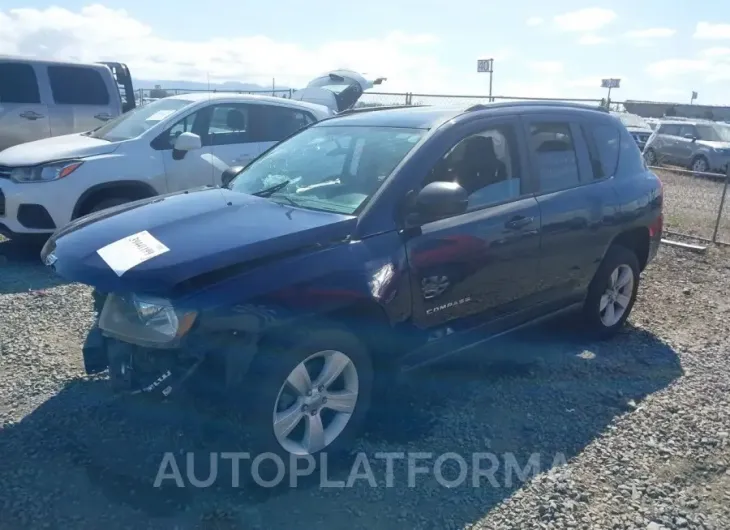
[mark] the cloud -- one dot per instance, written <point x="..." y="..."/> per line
<point x="585" y="20"/>
<point x="547" y="67"/>
<point x="591" y="40"/>
<point x="650" y="33"/>
<point x="98" y="33"/>
<point x="710" y="31"/>
<point x="708" y="66"/>
<point x="535" y="21"/>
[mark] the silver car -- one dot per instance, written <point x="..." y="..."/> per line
<point x="702" y="146"/>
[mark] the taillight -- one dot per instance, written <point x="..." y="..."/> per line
<point x="656" y="227"/>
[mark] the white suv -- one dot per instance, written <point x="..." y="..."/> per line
<point x="169" y="145"/>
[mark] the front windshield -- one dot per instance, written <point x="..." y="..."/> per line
<point x="632" y="120"/>
<point x="137" y="121"/>
<point x="714" y="133"/>
<point x="329" y="168"/>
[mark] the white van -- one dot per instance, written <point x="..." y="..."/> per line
<point x="40" y="99"/>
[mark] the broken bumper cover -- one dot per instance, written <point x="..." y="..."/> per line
<point x="222" y="360"/>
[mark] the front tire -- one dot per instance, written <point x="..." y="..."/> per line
<point x="700" y="165"/>
<point x="650" y="157"/>
<point x="311" y="396"/>
<point x="612" y="292"/>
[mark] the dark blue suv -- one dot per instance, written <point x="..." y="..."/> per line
<point x="374" y="240"/>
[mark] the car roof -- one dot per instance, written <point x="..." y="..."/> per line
<point x="197" y="97"/>
<point x="424" y="117"/>
<point x="427" y="117"/>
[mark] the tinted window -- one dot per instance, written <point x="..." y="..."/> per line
<point x="485" y="164"/>
<point x="229" y="124"/>
<point x="276" y="123"/>
<point x="75" y="85"/>
<point x="607" y="144"/>
<point x="554" y="152"/>
<point x="670" y="129"/>
<point x="18" y="84"/>
<point x="630" y="161"/>
<point x="687" y="129"/>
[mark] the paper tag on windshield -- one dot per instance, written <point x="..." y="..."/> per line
<point x="129" y="252"/>
<point x="160" y="115"/>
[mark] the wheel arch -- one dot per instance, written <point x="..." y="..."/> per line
<point x="134" y="189"/>
<point x="637" y="240"/>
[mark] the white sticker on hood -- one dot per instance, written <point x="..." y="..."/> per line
<point x="129" y="252"/>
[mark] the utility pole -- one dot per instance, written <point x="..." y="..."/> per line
<point x="487" y="66"/>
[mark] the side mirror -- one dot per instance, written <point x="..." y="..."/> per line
<point x="229" y="174"/>
<point x="690" y="136"/>
<point x="185" y="142"/>
<point x="438" y="200"/>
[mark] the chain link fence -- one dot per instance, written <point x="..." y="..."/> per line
<point x="695" y="203"/>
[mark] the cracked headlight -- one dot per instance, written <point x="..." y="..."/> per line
<point x="143" y="320"/>
<point x="45" y="172"/>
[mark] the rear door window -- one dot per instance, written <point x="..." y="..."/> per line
<point x="76" y="85"/>
<point x="274" y="123"/>
<point x="669" y="129"/>
<point x="18" y="84"/>
<point x="554" y="153"/>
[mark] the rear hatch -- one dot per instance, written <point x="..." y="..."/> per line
<point x="338" y="90"/>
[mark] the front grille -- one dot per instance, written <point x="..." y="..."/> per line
<point x="5" y="172"/>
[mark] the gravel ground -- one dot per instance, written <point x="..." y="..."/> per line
<point x="641" y="420"/>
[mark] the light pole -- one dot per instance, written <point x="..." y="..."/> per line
<point x="486" y="66"/>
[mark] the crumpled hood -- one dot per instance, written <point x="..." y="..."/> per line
<point x="204" y="229"/>
<point x="55" y="148"/>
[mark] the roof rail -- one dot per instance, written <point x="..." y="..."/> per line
<point x="535" y="103"/>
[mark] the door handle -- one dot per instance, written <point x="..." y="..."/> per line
<point x="103" y="116"/>
<point x="519" y="221"/>
<point x="31" y="115"/>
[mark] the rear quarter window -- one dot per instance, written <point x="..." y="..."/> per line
<point x="630" y="161"/>
<point x="76" y="85"/>
<point x="607" y="142"/>
<point x="18" y="84"/>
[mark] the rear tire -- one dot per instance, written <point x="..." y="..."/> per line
<point x="612" y="292"/>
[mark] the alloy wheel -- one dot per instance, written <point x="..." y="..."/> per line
<point x="316" y="402"/>
<point x="617" y="296"/>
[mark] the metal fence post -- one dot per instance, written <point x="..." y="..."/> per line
<point x="722" y="204"/>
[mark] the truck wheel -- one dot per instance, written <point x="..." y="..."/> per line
<point x="310" y="397"/>
<point x="612" y="292"/>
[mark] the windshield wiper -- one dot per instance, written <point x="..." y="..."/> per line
<point x="273" y="189"/>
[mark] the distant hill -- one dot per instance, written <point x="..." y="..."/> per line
<point x="193" y="85"/>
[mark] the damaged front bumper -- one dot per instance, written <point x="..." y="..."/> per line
<point x="214" y="363"/>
